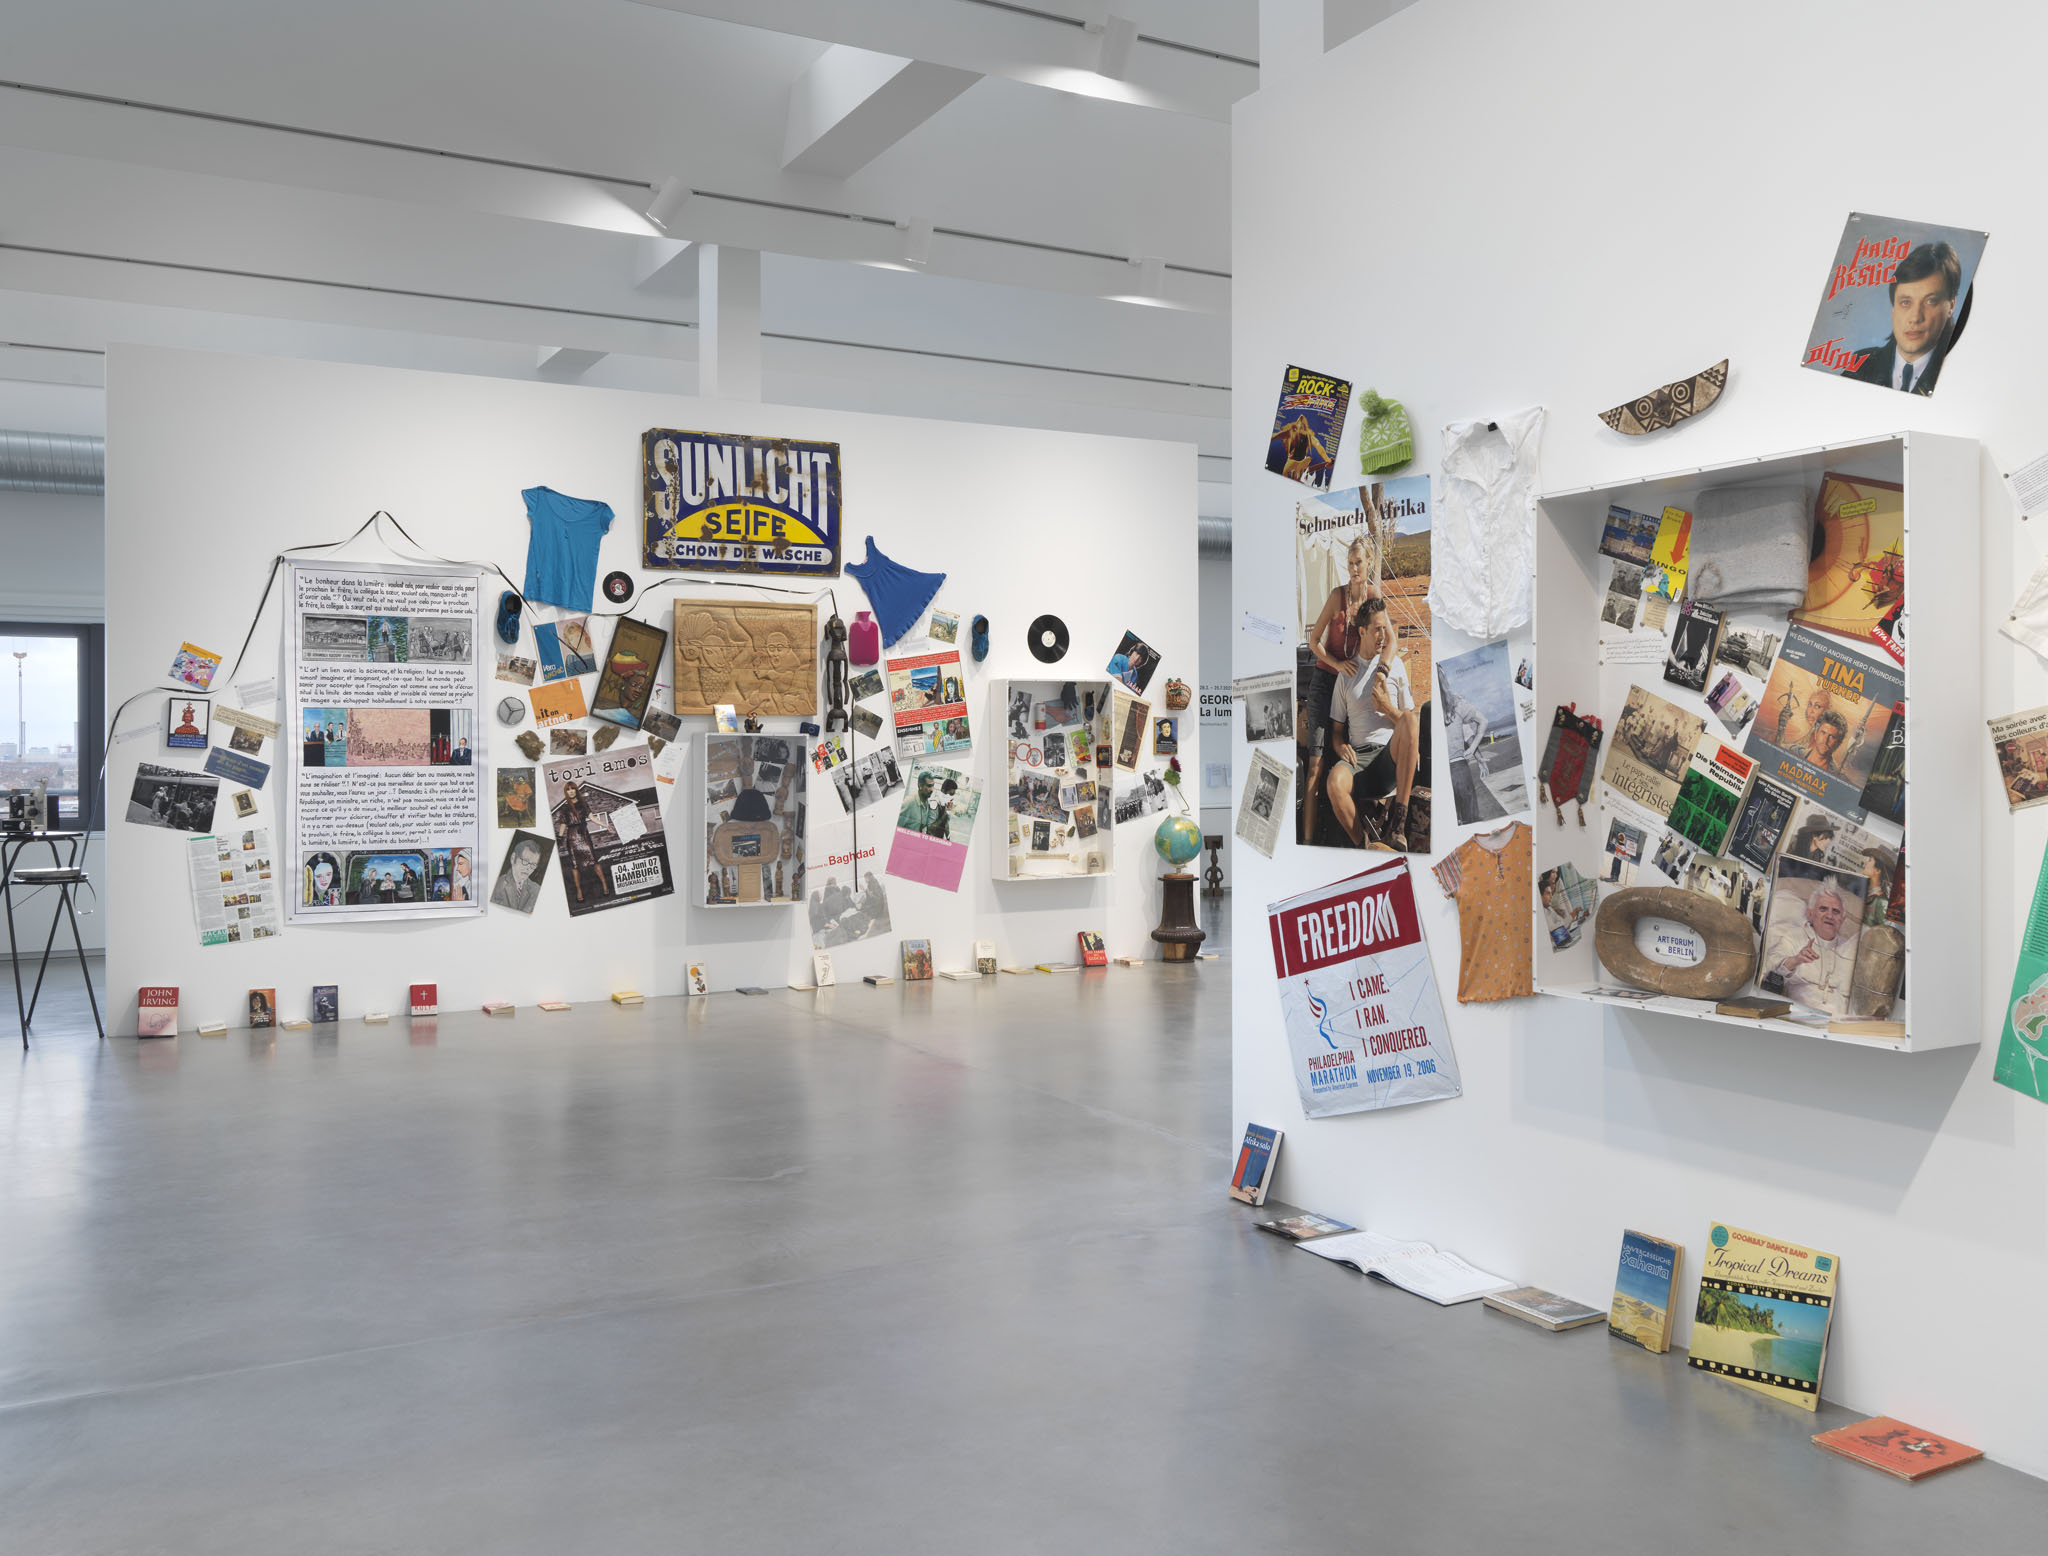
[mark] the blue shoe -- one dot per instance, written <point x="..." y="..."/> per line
<point x="980" y="639"/>
<point x="509" y="606"/>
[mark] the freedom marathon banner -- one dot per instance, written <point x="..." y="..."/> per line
<point x="1365" y="1023"/>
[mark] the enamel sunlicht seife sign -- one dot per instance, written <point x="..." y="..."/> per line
<point x="722" y="502"/>
<point x="1365" y="1024"/>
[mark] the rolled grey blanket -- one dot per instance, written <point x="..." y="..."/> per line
<point x="1750" y="547"/>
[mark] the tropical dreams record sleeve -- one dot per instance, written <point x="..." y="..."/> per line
<point x="1822" y="717"/>
<point x="1359" y="1003"/>
<point x="1763" y="1311"/>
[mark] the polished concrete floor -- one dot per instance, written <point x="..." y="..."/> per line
<point x="927" y="1269"/>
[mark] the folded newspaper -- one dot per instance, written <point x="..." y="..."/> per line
<point x="1442" y="1277"/>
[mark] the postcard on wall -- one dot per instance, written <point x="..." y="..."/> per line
<point x="518" y="669"/>
<point x="942" y="627"/>
<point x="1823" y="717"/>
<point x="629" y="670"/>
<point x="565" y="648"/>
<point x="1263" y="803"/>
<point x="722" y="502"/>
<point x="1748" y="649"/>
<point x="1622" y="853"/>
<point x="605" y="812"/>
<point x="933" y="826"/>
<point x="558" y="703"/>
<point x="194" y="666"/>
<point x="1731" y="703"/>
<point x="1762" y="1316"/>
<point x="187" y="723"/>
<point x="1651" y="750"/>
<point x="1709" y="794"/>
<point x="1362" y="1013"/>
<point x="868" y="683"/>
<point x="1621" y="606"/>
<point x="1308" y="424"/>
<point x="866" y="723"/>
<point x="235" y="895"/>
<point x="1268" y="703"/>
<point x="516" y="797"/>
<point x="847" y="897"/>
<point x="928" y="704"/>
<point x="1856" y="581"/>
<point x="1628" y="536"/>
<point x="756" y="810"/>
<point x="1896" y="299"/>
<point x="1482" y="734"/>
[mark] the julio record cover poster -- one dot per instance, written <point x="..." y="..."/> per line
<point x="606" y="815"/>
<point x="1896" y="300"/>
<point x="1307" y="427"/>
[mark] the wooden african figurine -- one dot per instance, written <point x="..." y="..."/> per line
<point x="835" y="674"/>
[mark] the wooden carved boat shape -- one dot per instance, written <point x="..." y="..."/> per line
<point x="1670" y="405"/>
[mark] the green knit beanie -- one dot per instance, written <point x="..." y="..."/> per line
<point x="1385" y="441"/>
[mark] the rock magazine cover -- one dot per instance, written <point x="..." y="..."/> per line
<point x="1307" y="427"/>
<point x="1358" y="998"/>
<point x="1896" y="300"/>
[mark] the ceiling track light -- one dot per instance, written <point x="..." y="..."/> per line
<point x="1113" y="55"/>
<point x="917" y="242"/>
<point x="671" y="198"/>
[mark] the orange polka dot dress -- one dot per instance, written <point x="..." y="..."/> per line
<point x="1489" y="878"/>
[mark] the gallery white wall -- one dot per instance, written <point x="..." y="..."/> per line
<point x="217" y="463"/>
<point x="1525" y="241"/>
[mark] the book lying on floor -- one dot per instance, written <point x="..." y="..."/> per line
<point x="1544" y="1309"/>
<point x="1444" y="1278"/>
<point x="1299" y="1229"/>
<point x="1896" y="1448"/>
<point x="1255" y="1160"/>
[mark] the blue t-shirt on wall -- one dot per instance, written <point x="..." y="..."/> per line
<point x="561" y="551"/>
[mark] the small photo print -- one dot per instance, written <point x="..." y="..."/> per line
<point x="1166" y="735"/>
<point x="568" y="742"/>
<point x="245" y="804"/>
<point x="662" y="726"/>
<point x="866" y="723"/>
<point x="516" y="797"/>
<point x="242" y="738"/>
<point x="944" y="627"/>
<point x="1134" y="662"/>
<point x="867" y="684"/>
<point x="517" y="668"/>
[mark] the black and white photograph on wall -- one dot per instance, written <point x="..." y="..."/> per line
<point x="1896" y="300"/>
<point x="866" y="779"/>
<point x="1623" y="853"/>
<point x="1722" y="879"/>
<point x="1624" y="597"/>
<point x="1020" y="714"/>
<point x="173" y="798"/>
<point x="328" y="639"/>
<point x="1748" y="649"/>
<point x="1268" y="703"/>
<point x="1483" y="735"/>
<point x="1692" y="644"/>
<point x="1673" y="856"/>
<point x="1143" y="798"/>
<point x="524" y="869"/>
<point x="440" y="639"/>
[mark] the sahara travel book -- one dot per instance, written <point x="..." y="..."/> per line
<point x="1762" y="1317"/>
<point x="1255" y="1158"/>
<point x="1645" y="1291"/>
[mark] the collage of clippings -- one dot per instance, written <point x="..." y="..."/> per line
<point x="1761" y="763"/>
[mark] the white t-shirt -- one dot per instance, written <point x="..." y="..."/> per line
<point x="1484" y="533"/>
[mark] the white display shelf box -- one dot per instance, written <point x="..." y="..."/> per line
<point x="1077" y="857"/>
<point x="1941" y="1000"/>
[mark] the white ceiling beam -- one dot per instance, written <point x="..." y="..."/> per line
<point x="852" y="105"/>
<point x="563" y="363"/>
<point x="664" y="265"/>
<point x="992" y="41"/>
<point x="728" y="322"/>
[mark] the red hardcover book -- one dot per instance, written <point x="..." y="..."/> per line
<point x="425" y="999"/>
<point x="1896" y="1448"/>
<point x="1093" y="952"/>
<point x="156" y="1010"/>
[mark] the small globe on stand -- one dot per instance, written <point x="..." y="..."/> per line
<point x="1178" y="840"/>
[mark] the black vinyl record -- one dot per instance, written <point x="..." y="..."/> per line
<point x="618" y="588"/>
<point x="1047" y="639"/>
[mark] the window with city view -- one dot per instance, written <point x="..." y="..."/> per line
<point x="49" y="710"/>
